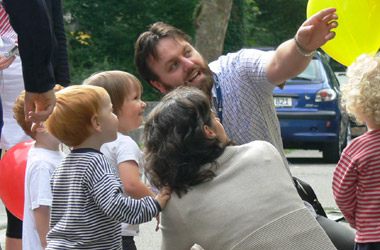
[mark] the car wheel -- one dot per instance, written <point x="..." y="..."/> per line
<point x="332" y="151"/>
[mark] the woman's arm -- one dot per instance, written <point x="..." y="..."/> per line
<point x="61" y="58"/>
<point x="30" y="19"/>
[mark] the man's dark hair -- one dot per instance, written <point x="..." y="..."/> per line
<point x="177" y="151"/>
<point x="146" y="46"/>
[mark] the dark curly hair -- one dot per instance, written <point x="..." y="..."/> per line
<point x="176" y="148"/>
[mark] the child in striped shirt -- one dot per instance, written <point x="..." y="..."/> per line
<point x="356" y="180"/>
<point x="88" y="203"/>
<point x="123" y="153"/>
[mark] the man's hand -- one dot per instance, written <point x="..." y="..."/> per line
<point x="316" y="30"/>
<point x="38" y="106"/>
<point x="5" y="62"/>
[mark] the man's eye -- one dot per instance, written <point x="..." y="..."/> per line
<point x="188" y="53"/>
<point x="173" y="66"/>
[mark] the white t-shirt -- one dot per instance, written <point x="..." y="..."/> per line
<point x="40" y="165"/>
<point x="124" y="148"/>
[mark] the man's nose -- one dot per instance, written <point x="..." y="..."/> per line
<point x="187" y="64"/>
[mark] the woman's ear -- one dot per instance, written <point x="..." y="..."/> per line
<point x="208" y="131"/>
<point x="95" y="124"/>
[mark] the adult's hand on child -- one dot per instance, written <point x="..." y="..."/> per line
<point x="5" y="62"/>
<point x="163" y="196"/>
<point x="38" y="106"/>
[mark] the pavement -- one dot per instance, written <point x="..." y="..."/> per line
<point x="3" y="224"/>
<point x="307" y="165"/>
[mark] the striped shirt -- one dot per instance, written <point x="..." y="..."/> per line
<point x="6" y="30"/>
<point x="88" y="206"/>
<point x="356" y="186"/>
<point x="247" y="98"/>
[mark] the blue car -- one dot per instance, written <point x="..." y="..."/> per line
<point x="309" y="111"/>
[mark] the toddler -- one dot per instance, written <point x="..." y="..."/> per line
<point x="124" y="153"/>
<point x="43" y="157"/>
<point x="356" y="179"/>
<point x="88" y="202"/>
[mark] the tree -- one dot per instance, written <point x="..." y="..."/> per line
<point x="210" y="21"/>
<point x="235" y="35"/>
<point x="271" y="22"/>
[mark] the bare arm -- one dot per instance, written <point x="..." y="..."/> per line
<point x="133" y="186"/>
<point x="42" y="217"/>
<point x="129" y="175"/>
<point x="287" y="61"/>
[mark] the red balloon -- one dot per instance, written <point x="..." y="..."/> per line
<point x="12" y="174"/>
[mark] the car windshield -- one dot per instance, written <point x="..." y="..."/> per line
<point x="311" y="74"/>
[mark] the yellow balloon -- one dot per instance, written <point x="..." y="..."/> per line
<point x="358" y="28"/>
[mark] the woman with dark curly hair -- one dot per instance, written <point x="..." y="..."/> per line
<point x="224" y="196"/>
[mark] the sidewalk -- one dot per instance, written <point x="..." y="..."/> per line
<point x="3" y="224"/>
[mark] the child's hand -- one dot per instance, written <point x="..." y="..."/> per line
<point x="163" y="196"/>
<point x="158" y="223"/>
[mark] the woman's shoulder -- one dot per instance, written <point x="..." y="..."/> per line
<point x="256" y="153"/>
<point x="257" y="145"/>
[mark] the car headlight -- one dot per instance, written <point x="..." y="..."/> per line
<point x="324" y="95"/>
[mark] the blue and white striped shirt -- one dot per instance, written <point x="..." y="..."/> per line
<point x="247" y="95"/>
<point x="88" y="205"/>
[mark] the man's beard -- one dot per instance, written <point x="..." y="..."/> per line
<point x="207" y="81"/>
<point x="205" y="84"/>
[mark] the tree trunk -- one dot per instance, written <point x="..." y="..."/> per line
<point x="211" y="21"/>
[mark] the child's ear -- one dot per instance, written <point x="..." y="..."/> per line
<point x="208" y="131"/>
<point x="95" y="124"/>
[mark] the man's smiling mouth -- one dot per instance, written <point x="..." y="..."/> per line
<point x="194" y="75"/>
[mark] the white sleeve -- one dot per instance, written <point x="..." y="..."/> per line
<point x="39" y="185"/>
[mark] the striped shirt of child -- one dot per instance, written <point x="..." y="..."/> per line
<point x="89" y="206"/>
<point x="356" y="186"/>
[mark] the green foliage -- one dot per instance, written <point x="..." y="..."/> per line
<point x="271" y="22"/>
<point x="235" y="35"/>
<point x="101" y="34"/>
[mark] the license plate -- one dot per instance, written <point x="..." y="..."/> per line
<point x="282" y="101"/>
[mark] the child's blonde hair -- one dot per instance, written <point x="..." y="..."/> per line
<point x="71" y="119"/>
<point x="19" y="113"/>
<point x="117" y="83"/>
<point x="361" y="95"/>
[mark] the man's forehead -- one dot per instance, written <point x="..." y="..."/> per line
<point x="166" y="45"/>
